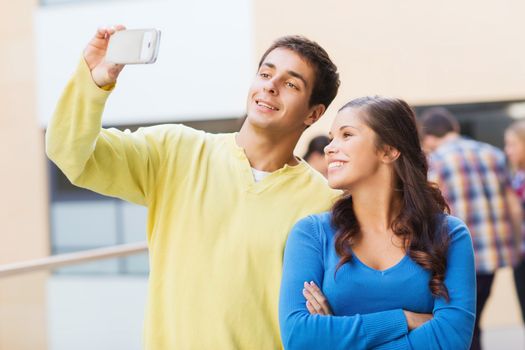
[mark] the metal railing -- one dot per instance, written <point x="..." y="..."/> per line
<point x="60" y="260"/>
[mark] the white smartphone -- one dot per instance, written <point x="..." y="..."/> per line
<point x="133" y="46"/>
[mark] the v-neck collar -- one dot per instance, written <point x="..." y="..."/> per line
<point x="245" y="169"/>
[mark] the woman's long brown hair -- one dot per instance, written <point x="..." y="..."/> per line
<point x="420" y="222"/>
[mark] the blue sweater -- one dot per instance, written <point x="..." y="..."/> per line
<point x="368" y="304"/>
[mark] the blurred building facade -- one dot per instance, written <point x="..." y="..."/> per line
<point x="462" y="55"/>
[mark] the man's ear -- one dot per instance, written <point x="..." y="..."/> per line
<point x="315" y="113"/>
<point x="390" y="154"/>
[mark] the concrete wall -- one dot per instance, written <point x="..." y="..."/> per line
<point x="23" y="203"/>
<point x="424" y="52"/>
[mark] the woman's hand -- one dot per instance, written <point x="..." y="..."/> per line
<point x="415" y="320"/>
<point x="316" y="302"/>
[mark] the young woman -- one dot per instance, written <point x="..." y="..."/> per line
<point x="515" y="150"/>
<point x="386" y="268"/>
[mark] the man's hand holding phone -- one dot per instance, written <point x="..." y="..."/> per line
<point x="103" y="73"/>
<point x="112" y="48"/>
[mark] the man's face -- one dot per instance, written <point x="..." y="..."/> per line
<point x="430" y="143"/>
<point x="515" y="150"/>
<point x="318" y="162"/>
<point x="278" y="99"/>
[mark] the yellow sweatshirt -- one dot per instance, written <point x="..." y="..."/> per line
<point x="216" y="238"/>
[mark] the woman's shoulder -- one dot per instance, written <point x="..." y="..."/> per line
<point x="456" y="228"/>
<point x="314" y="220"/>
<point x="452" y="221"/>
<point x="316" y="225"/>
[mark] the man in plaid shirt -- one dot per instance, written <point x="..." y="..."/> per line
<point x="474" y="180"/>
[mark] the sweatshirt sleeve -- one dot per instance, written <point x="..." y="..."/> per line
<point x="303" y="261"/>
<point x="452" y="325"/>
<point x="112" y="162"/>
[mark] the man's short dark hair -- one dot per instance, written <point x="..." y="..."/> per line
<point x="317" y="145"/>
<point x="438" y="121"/>
<point x="326" y="81"/>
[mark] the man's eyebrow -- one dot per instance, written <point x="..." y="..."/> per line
<point x="290" y="72"/>
<point x="298" y="76"/>
<point x="268" y="64"/>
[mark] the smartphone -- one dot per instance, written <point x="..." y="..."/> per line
<point x="133" y="46"/>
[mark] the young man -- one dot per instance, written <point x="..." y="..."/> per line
<point x="220" y="206"/>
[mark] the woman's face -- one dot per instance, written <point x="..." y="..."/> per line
<point x="515" y="150"/>
<point x="352" y="156"/>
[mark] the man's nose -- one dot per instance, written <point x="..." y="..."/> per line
<point x="270" y="87"/>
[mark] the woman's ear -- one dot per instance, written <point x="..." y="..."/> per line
<point x="390" y="154"/>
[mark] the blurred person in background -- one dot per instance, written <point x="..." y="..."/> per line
<point x="315" y="153"/>
<point x="475" y="182"/>
<point x="220" y="206"/>
<point x="386" y="268"/>
<point x="515" y="150"/>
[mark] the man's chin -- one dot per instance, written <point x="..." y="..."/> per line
<point x="259" y="121"/>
